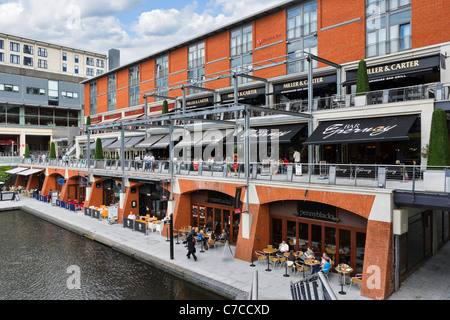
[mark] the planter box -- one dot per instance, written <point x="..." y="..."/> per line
<point x="360" y="101"/>
<point x="434" y="180"/>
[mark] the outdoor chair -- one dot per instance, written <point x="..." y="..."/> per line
<point x="274" y="260"/>
<point x="300" y="267"/>
<point x="211" y="243"/>
<point x="291" y="266"/>
<point x="281" y="259"/>
<point x="260" y="256"/>
<point x="357" y="279"/>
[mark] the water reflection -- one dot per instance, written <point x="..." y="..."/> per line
<point x="35" y="256"/>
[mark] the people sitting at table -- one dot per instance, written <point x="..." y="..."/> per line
<point x="223" y="236"/>
<point x="325" y="259"/>
<point x="308" y="254"/>
<point x="131" y="216"/>
<point x="211" y="237"/>
<point x="291" y="259"/>
<point x="201" y="237"/>
<point x="283" y="247"/>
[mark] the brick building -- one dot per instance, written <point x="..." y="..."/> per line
<point x="262" y="59"/>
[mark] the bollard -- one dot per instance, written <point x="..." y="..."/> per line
<point x="252" y="265"/>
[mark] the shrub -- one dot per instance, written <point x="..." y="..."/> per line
<point x="52" y="151"/>
<point x="99" y="150"/>
<point x="362" y="80"/>
<point x="438" y="148"/>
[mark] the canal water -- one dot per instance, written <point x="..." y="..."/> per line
<point x="41" y="261"/>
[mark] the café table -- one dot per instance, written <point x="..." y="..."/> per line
<point x="312" y="263"/>
<point x="343" y="270"/>
<point x="268" y="252"/>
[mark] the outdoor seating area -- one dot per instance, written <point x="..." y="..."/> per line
<point x="301" y="265"/>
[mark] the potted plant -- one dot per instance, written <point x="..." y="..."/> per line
<point x="362" y="85"/>
<point x="98" y="152"/>
<point x="52" y="151"/>
<point x="438" y="156"/>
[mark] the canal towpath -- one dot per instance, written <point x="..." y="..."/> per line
<point x="215" y="270"/>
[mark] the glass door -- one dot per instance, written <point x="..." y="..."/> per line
<point x="218" y="222"/>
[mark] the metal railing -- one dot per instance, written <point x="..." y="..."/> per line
<point x="398" y="177"/>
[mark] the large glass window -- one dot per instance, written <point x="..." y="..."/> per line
<point x="241" y="47"/>
<point x="196" y="65"/>
<point x="134" y="86"/>
<point x="302" y="36"/>
<point x="112" y="92"/>
<point x="53" y="93"/>
<point x="388" y="26"/>
<point x="162" y="76"/>
<point x="32" y="116"/>
<point x="46" y="117"/>
<point x="93" y="98"/>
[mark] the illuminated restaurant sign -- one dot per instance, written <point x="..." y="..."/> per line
<point x="398" y="69"/>
<point x="300" y="85"/>
<point x="362" y="130"/>
<point x="317" y="211"/>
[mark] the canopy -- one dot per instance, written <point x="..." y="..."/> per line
<point x="362" y="130"/>
<point x="16" y="170"/>
<point x="147" y="143"/>
<point x="29" y="172"/>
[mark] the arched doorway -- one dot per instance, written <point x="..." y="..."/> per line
<point x="214" y="211"/>
<point x="324" y="228"/>
<point x="111" y="192"/>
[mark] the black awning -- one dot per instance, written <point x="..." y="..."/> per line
<point x="398" y="69"/>
<point x="243" y="95"/>
<point x="301" y="85"/>
<point x="362" y="130"/>
<point x="284" y="133"/>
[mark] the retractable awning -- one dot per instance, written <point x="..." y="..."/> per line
<point x="29" y="172"/>
<point x="133" y="141"/>
<point x="215" y="137"/>
<point x="284" y="133"/>
<point x="16" y="170"/>
<point x="147" y="143"/>
<point x="117" y="144"/>
<point x="393" y="128"/>
<point x="105" y="142"/>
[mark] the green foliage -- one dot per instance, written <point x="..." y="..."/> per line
<point x="165" y="108"/>
<point x="5" y="177"/>
<point x="362" y="81"/>
<point x="88" y="121"/>
<point x="52" y="151"/>
<point x="99" y="150"/>
<point x="27" y="151"/>
<point x="438" y="148"/>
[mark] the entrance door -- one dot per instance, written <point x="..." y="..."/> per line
<point x="216" y="219"/>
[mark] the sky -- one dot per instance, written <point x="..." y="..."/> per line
<point x="137" y="28"/>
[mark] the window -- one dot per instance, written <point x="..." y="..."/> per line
<point x="93" y="98"/>
<point x="53" y="93"/>
<point x="302" y="36"/>
<point x="77" y="70"/>
<point x="134" y="86"/>
<point x="2" y="57"/>
<point x="15" y="59"/>
<point x="27" y="61"/>
<point x="388" y="26"/>
<point x="99" y="72"/>
<point x="112" y="92"/>
<point x="90" y="61"/>
<point x="90" y="71"/>
<point x="42" y="64"/>
<point x="42" y="52"/>
<point x="241" y="51"/>
<point x="64" y="56"/>
<point x="64" y="67"/>
<point x="100" y="63"/>
<point x="14" y="46"/>
<point x="196" y="65"/>
<point x="36" y="91"/>
<point x="9" y="88"/>
<point x="162" y="76"/>
<point x="27" y="49"/>
<point x="69" y="95"/>
<point x="76" y="58"/>
<point x="2" y="44"/>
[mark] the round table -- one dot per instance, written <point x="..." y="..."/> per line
<point x="343" y="270"/>
<point x="269" y="251"/>
<point x="312" y="263"/>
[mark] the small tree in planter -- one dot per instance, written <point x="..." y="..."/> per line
<point x="362" y="84"/>
<point x="52" y="151"/>
<point x="98" y="150"/>
<point x="88" y="121"/>
<point x="438" y="148"/>
<point x="27" y="151"/>
<point x="438" y="153"/>
<point x="165" y="107"/>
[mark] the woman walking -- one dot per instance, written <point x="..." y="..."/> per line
<point x="191" y="247"/>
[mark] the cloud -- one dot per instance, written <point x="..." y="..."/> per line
<point x="97" y="25"/>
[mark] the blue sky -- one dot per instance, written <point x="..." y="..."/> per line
<point x="137" y="28"/>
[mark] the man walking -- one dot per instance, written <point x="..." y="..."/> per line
<point x="191" y="247"/>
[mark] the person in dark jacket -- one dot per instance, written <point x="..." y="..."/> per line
<point x="191" y="247"/>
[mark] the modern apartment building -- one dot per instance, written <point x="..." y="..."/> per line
<point x="256" y="73"/>
<point x="40" y="93"/>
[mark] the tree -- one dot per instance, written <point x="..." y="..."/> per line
<point x="99" y="150"/>
<point x="438" y="148"/>
<point x="362" y="80"/>
<point x="52" y="151"/>
<point x="88" y="121"/>
<point x="165" y="108"/>
<point x="27" y="151"/>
